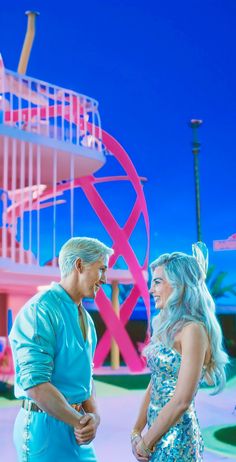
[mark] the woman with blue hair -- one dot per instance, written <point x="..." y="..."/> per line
<point x="185" y="348"/>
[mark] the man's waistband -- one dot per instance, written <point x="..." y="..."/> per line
<point x="29" y="405"/>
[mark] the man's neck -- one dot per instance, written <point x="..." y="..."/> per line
<point x="69" y="288"/>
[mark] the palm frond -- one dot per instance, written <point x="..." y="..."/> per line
<point x="215" y="284"/>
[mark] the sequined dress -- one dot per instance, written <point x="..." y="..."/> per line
<point x="183" y="442"/>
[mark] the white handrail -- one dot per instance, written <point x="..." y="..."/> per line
<point x="55" y="112"/>
<point x="51" y="112"/>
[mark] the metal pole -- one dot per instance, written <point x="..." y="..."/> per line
<point x="115" y="353"/>
<point x="29" y="38"/>
<point x="195" y="124"/>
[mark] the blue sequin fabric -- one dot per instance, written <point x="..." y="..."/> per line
<point x="183" y="442"/>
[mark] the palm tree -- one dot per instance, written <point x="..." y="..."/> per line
<point x="215" y="282"/>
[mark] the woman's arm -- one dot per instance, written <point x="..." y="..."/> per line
<point x="142" y="415"/>
<point x="140" y="424"/>
<point x="194" y="344"/>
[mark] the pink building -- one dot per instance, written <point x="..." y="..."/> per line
<point x="51" y="142"/>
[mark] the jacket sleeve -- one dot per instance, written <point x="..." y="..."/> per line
<point x="33" y="342"/>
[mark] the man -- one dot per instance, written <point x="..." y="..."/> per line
<point x="53" y="341"/>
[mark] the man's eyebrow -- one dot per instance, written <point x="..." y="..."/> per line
<point x="157" y="279"/>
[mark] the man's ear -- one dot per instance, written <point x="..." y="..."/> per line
<point x="79" y="265"/>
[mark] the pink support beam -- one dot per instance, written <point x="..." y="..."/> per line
<point x="120" y="235"/>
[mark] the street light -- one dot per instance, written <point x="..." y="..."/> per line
<point x="195" y="124"/>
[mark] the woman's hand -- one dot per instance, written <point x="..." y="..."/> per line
<point x="143" y="451"/>
<point x="137" y="454"/>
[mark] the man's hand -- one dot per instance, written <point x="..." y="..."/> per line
<point x="87" y="429"/>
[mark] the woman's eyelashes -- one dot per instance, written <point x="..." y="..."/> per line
<point x="156" y="282"/>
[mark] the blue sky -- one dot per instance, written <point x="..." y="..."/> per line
<point x="152" y="66"/>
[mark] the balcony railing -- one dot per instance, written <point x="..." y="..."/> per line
<point x="38" y="107"/>
<point x="48" y="136"/>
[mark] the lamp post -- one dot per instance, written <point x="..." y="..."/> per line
<point x="195" y="124"/>
<point x="29" y="38"/>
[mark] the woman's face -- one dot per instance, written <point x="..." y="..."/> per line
<point x="160" y="287"/>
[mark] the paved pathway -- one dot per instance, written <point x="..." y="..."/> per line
<point x="118" y="409"/>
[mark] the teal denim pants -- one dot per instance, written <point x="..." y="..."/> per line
<point x="39" y="437"/>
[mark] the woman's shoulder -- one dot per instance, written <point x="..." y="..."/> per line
<point x="193" y="329"/>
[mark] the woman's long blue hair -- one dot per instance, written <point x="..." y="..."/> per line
<point x="190" y="301"/>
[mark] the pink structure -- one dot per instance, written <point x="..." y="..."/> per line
<point x="225" y="244"/>
<point x="51" y="142"/>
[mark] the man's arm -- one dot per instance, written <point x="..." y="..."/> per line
<point x="89" y="423"/>
<point x="90" y="405"/>
<point x="33" y="342"/>
<point x="50" y="400"/>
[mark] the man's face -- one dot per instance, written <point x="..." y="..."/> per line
<point x="92" y="275"/>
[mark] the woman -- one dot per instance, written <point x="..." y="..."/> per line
<point x="186" y="346"/>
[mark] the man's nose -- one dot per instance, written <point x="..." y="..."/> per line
<point x="103" y="279"/>
<point x="151" y="290"/>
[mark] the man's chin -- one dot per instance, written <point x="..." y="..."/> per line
<point x="92" y="294"/>
<point x="95" y="292"/>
